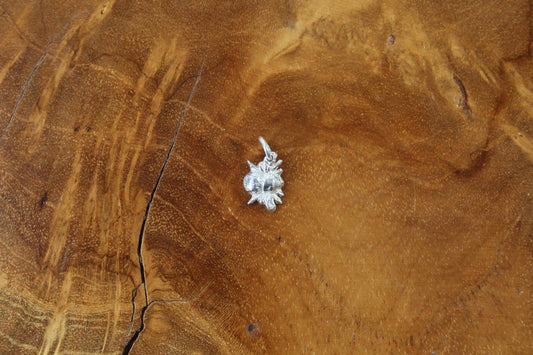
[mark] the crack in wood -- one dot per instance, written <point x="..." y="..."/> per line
<point x="21" y="35"/>
<point x="133" y="296"/>
<point x="463" y="100"/>
<point x="135" y="336"/>
<point x="32" y="73"/>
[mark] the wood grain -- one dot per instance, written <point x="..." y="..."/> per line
<point x="406" y="130"/>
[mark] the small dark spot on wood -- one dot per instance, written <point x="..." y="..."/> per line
<point x="253" y="330"/>
<point x="411" y="341"/>
<point x="279" y="239"/>
<point x="43" y="200"/>
<point x="88" y="129"/>
<point x="76" y="129"/>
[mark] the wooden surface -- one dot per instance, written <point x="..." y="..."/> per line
<point x="406" y="130"/>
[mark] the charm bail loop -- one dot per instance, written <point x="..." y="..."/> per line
<point x="266" y="147"/>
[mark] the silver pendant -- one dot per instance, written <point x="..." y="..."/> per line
<point x="264" y="180"/>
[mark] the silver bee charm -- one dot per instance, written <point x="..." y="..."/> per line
<point x="264" y="180"/>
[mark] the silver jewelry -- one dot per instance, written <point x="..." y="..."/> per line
<point x="264" y="180"/>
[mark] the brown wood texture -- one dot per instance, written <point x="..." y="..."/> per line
<point x="406" y="130"/>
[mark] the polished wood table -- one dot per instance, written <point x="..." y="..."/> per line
<point x="406" y="134"/>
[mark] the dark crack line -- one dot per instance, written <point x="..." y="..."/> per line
<point x="184" y="300"/>
<point x="463" y="101"/>
<point x="34" y="70"/>
<point x="8" y="18"/>
<point x="133" y="296"/>
<point x="127" y="349"/>
<point x="135" y="336"/>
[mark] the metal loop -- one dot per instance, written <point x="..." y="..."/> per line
<point x="266" y="148"/>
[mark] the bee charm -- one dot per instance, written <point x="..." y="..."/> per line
<point x="264" y="180"/>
